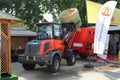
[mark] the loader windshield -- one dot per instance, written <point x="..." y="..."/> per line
<point x="44" y="31"/>
<point x="48" y="31"/>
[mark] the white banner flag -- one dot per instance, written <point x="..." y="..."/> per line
<point x="102" y="26"/>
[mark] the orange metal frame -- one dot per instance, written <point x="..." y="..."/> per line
<point x="55" y="45"/>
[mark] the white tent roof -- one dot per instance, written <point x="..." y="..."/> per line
<point x="21" y="32"/>
<point x="114" y="28"/>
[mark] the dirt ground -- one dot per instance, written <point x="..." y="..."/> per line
<point x="66" y="72"/>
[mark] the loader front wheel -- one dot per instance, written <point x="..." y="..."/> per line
<point x="55" y="66"/>
<point x="28" y="66"/>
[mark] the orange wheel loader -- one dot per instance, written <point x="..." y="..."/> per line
<point x="48" y="48"/>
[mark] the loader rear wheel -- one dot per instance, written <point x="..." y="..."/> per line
<point x="71" y="59"/>
<point x="28" y="66"/>
<point x="55" y="67"/>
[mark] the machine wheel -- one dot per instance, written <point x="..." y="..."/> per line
<point x="71" y="59"/>
<point x="28" y="66"/>
<point x="55" y="67"/>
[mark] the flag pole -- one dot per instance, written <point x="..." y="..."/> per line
<point x="89" y="65"/>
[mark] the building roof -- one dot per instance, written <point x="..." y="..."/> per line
<point x="112" y="29"/>
<point x="7" y="16"/>
<point x="22" y="32"/>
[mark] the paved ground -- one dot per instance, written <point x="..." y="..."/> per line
<point x="77" y="72"/>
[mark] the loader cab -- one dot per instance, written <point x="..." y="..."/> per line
<point x="48" y="31"/>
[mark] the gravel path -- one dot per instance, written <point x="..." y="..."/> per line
<point x="75" y="72"/>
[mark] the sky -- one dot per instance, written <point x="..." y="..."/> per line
<point x="48" y="17"/>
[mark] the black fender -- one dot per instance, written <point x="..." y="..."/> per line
<point x="68" y="52"/>
<point x="52" y="54"/>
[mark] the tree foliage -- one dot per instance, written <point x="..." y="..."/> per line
<point x="31" y="11"/>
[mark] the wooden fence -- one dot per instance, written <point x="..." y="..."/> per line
<point x="5" y="47"/>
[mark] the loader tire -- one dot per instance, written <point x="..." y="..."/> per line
<point x="55" y="67"/>
<point x="28" y="66"/>
<point x="71" y="59"/>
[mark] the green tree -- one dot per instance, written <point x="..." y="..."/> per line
<point x="31" y="11"/>
<point x="56" y="6"/>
